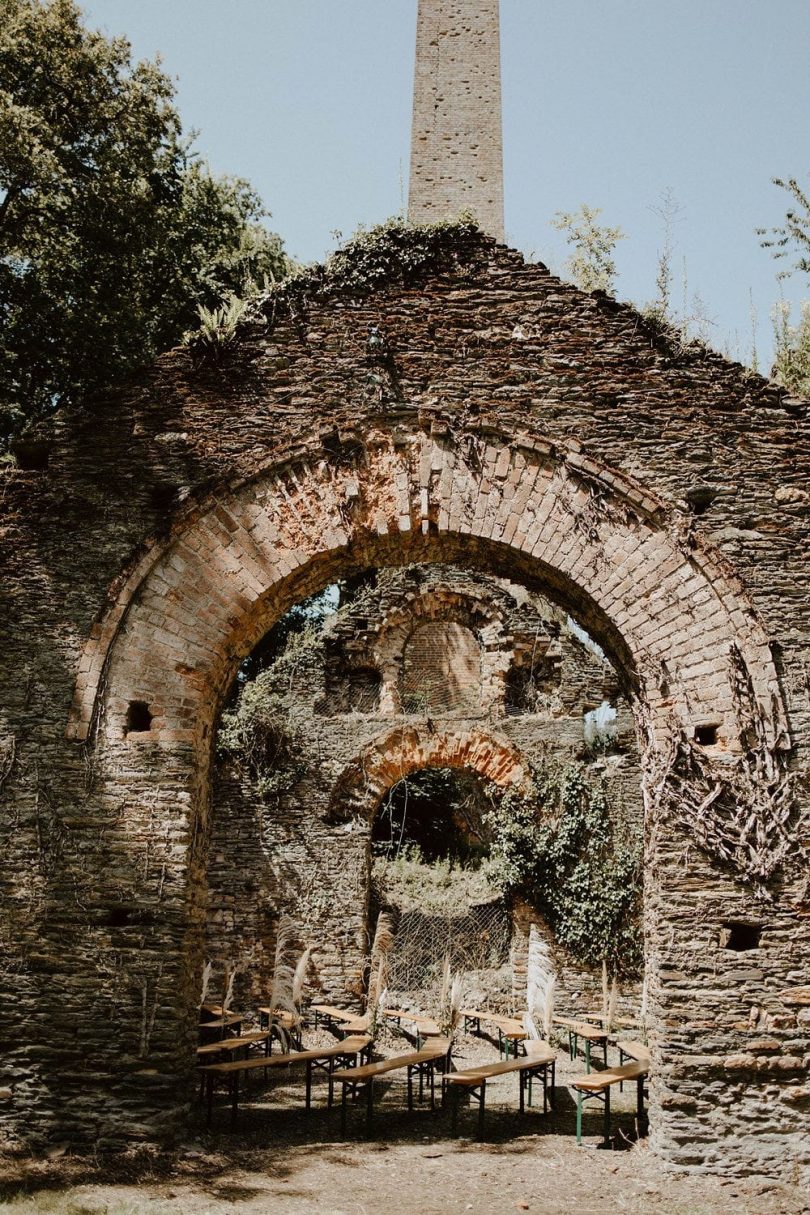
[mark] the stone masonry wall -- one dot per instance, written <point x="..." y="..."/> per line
<point x="307" y="852"/>
<point x="649" y="449"/>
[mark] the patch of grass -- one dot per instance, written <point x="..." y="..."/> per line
<point x="414" y="885"/>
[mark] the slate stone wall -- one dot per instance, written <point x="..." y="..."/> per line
<point x="105" y="603"/>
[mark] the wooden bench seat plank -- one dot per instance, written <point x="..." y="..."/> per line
<point x="597" y="1082"/>
<point x="346" y="1047"/>
<point x="634" y="1050"/>
<point x="537" y="1058"/>
<point x="435" y="1049"/>
<point x="231" y="1044"/>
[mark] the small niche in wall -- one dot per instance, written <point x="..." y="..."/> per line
<point x="139" y="719"/>
<point x="706" y="734"/>
<point x="739" y="936"/>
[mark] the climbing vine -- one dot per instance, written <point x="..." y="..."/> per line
<point x="394" y="253"/>
<point x="558" y="845"/>
<point x="259" y="732"/>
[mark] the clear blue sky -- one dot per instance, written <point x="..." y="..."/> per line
<point x="609" y="102"/>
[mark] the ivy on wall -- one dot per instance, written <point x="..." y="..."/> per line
<point x="559" y="846"/>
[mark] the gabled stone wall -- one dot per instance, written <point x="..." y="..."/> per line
<point x="515" y="425"/>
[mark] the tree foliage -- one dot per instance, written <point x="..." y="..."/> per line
<point x="591" y="264"/>
<point x="791" y="367"/>
<point x="112" y="233"/>
<point x="791" y="238"/>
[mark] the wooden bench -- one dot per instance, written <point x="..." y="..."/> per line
<point x="535" y="1063"/>
<point x="218" y="1025"/>
<point x="625" y="1022"/>
<point x="324" y="1059"/>
<point x="639" y="1052"/>
<point x="592" y="1034"/>
<point x="510" y="1029"/>
<point x="286" y="1021"/>
<point x="598" y="1084"/>
<point x="232" y="1046"/>
<point x="419" y="1064"/>
<point x="330" y="1015"/>
<point x="425" y="1027"/>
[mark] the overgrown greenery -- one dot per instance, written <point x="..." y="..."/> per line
<point x="111" y="233"/>
<point x="393" y="253"/>
<point x="791" y="238"/>
<point x="259" y="733"/>
<point x="436" y="887"/>
<point x="791" y="366"/>
<point x="560" y="847"/>
<point x="591" y="266"/>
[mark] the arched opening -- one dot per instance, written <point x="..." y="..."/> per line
<point x="194" y="609"/>
<point x="441" y="669"/>
<point x="429" y="844"/>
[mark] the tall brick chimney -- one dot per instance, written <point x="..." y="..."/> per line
<point x="457" y="142"/>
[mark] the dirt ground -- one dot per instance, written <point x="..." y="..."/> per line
<point x="281" y="1161"/>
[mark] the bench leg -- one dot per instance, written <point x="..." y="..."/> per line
<point x="606" y="1130"/>
<point x="579" y="1118"/>
<point x="554" y="1085"/>
<point x="481" y="1101"/>
<point x="308" y="1096"/>
<point x="234" y="1097"/>
<point x="640" y="1103"/>
<point x="587" y="1054"/>
<point x="530" y="1087"/>
<point x="209" y="1093"/>
<point x="432" y="1087"/>
<point x="369" y="1104"/>
<point x="410" y="1089"/>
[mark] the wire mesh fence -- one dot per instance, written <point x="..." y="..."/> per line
<point x="476" y="941"/>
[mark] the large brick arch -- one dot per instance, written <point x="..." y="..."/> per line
<point x="669" y="611"/>
<point x="397" y="753"/>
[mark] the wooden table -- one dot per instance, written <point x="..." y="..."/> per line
<point x="592" y="1034"/>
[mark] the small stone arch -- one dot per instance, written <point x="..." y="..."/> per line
<point x="406" y="749"/>
<point x="479" y="613"/>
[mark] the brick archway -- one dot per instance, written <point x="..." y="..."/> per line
<point x="406" y="749"/>
<point x="669" y="611"/>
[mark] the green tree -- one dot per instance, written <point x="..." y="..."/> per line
<point x="791" y="366"/>
<point x="111" y="232"/>
<point x="792" y="238"/>
<point x="591" y="265"/>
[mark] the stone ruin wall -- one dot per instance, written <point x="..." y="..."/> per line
<point x="307" y="854"/>
<point x="103" y="885"/>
